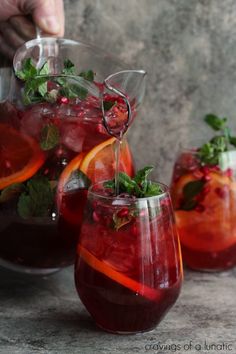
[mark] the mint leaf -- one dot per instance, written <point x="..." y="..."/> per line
<point x="10" y="192"/>
<point x="215" y="122"/>
<point x="210" y="152"/>
<point x="69" y="68"/>
<point x="121" y="221"/>
<point x="27" y="71"/>
<point x="192" y="189"/>
<point x="43" y="88"/>
<point x="44" y="69"/>
<point x="126" y="184"/>
<point x="107" y="105"/>
<point x="139" y="186"/>
<point x="49" y="136"/>
<point x="232" y="140"/>
<point x="77" y="180"/>
<point x="189" y="204"/>
<point x="37" y="199"/>
<point x="87" y="75"/>
<point x="152" y="189"/>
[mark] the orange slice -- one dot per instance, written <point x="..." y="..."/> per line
<point x="20" y="156"/>
<point x="213" y="229"/>
<point x="99" y="163"/>
<point x="104" y="268"/>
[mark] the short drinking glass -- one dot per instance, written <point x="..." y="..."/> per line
<point x="128" y="270"/>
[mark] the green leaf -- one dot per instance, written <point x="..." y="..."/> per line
<point x="73" y="91"/>
<point x="43" y="88"/>
<point x="107" y="105"/>
<point x="77" y="180"/>
<point x="215" y="122"/>
<point x="126" y="184"/>
<point x="69" y="68"/>
<point x="192" y="189"/>
<point x="109" y="184"/>
<point x="27" y="71"/>
<point x="87" y="75"/>
<point x="49" y="136"/>
<point x="44" y="69"/>
<point x="121" y="221"/>
<point x="38" y="198"/>
<point x="139" y="186"/>
<point x="10" y="192"/>
<point x="189" y="204"/>
<point x="25" y="206"/>
<point x="232" y="140"/>
<point x="142" y="174"/>
<point x="153" y="189"/>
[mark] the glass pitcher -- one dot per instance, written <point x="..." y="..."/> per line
<point x="68" y="103"/>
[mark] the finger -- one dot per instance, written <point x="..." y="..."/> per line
<point x="5" y="49"/>
<point x="24" y="26"/>
<point x="10" y="36"/>
<point x="48" y="15"/>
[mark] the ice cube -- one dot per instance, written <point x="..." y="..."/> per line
<point x="72" y="136"/>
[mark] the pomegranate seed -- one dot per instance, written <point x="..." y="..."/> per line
<point x="229" y="172"/>
<point x="215" y="168"/>
<point x="200" y="208"/>
<point x="64" y="100"/>
<point x="197" y="174"/>
<point x="206" y="178"/>
<point x="96" y="217"/>
<point x="222" y="192"/>
<point x="205" y="170"/>
<point x="134" y="230"/>
<point x="122" y="213"/>
<point x="206" y="189"/>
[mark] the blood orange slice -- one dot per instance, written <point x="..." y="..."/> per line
<point x="104" y="268"/>
<point x="213" y="229"/>
<point x="99" y="163"/>
<point x="20" y="156"/>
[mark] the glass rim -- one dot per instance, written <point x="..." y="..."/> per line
<point x="98" y="194"/>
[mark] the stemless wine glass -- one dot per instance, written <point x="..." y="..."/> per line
<point x="128" y="270"/>
<point x="65" y="102"/>
<point x="204" y="199"/>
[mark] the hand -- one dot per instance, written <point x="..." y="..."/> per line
<point x="18" y="19"/>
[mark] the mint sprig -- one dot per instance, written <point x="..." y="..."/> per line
<point x="37" y="82"/>
<point x="139" y="186"/>
<point x="209" y="153"/>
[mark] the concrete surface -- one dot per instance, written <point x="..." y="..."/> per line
<point x="45" y="316"/>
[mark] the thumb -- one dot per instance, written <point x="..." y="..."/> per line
<point x="48" y="15"/>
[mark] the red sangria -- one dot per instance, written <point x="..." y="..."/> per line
<point x="204" y="197"/>
<point x="53" y="144"/>
<point x="128" y="270"/>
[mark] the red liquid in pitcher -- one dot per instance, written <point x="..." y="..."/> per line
<point x="39" y="224"/>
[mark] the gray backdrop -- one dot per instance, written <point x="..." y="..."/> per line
<point x="188" y="48"/>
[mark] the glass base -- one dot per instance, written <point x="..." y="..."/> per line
<point x="125" y="332"/>
<point x="27" y="270"/>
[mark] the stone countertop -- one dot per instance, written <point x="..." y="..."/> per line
<point x="44" y="315"/>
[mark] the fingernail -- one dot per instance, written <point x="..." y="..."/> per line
<point x="50" y="24"/>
